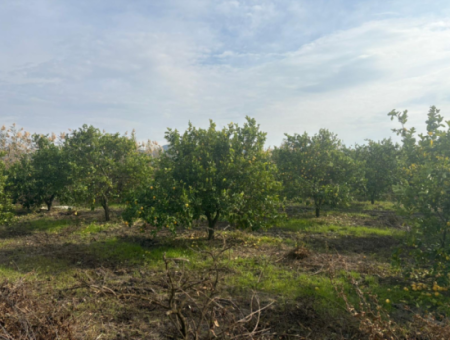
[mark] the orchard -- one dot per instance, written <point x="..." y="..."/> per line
<point x="218" y="236"/>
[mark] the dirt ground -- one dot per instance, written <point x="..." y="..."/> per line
<point x="66" y="276"/>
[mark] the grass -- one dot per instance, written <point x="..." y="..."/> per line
<point x="47" y="225"/>
<point x="93" y="228"/>
<point x="256" y="239"/>
<point x="322" y="227"/>
<point x="54" y="251"/>
<point x="9" y="273"/>
<point x="288" y="285"/>
<point x="379" y="205"/>
<point x="117" y="251"/>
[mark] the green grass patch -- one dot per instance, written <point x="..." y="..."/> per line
<point x="305" y="225"/>
<point x="301" y="224"/>
<point x="156" y="255"/>
<point x="345" y="214"/>
<point x="93" y="228"/>
<point x="40" y="264"/>
<point x="47" y="225"/>
<point x="381" y="205"/>
<point x="355" y="205"/>
<point x="288" y="285"/>
<point x="7" y="272"/>
<point x="119" y="251"/>
<point x="254" y="238"/>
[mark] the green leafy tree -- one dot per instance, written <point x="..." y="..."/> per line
<point x="381" y="162"/>
<point x="409" y="142"/>
<point x="6" y="208"/>
<point x="38" y="177"/>
<point x="316" y="168"/>
<point x="424" y="190"/>
<point x="103" y="167"/>
<point x="50" y="170"/>
<point x="223" y="174"/>
<point x="21" y="182"/>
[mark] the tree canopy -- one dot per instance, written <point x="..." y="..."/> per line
<point x="103" y="167"/>
<point x="381" y="163"/>
<point x="423" y="191"/>
<point x="6" y="208"/>
<point x="213" y="173"/>
<point x="316" y="168"/>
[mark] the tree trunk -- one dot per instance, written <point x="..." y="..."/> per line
<point x="373" y="194"/>
<point x="106" y="208"/>
<point x="210" y="232"/>
<point x="317" y="203"/>
<point x="211" y="225"/>
<point x="49" y="202"/>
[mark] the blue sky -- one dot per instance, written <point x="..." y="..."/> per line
<point x="293" y="65"/>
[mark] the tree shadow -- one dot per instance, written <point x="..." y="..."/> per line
<point x="53" y="221"/>
<point x="119" y="252"/>
<point x="374" y="244"/>
<point x="36" y="225"/>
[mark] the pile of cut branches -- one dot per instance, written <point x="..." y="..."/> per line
<point x="24" y="316"/>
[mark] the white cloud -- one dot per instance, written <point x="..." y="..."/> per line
<point x="277" y="61"/>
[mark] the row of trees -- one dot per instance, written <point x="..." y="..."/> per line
<point x="225" y="173"/>
<point x="213" y="173"/>
<point x="85" y="168"/>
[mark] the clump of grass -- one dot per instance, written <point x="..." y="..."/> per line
<point x="6" y="272"/>
<point x="47" y="224"/>
<point x="288" y="285"/>
<point x="298" y="224"/>
<point x="256" y="239"/>
<point x="156" y="255"/>
<point x="379" y="205"/>
<point x="39" y="264"/>
<point x="349" y="214"/>
<point x="118" y="251"/>
<point x="321" y="227"/>
<point x="94" y="228"/>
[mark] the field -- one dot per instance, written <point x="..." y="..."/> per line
<point x="78" y="278"/>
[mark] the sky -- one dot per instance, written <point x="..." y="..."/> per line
<point x="293" y="65"/>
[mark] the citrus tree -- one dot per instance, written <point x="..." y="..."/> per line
<point x="381" y="162"/>
<point x="103" y="167"/>
<point x="6" y="207"/>
<point x="408" y="151"/>
<point x="21" y="182"/>
<point x="38" y="177"/>
<point x="50" y="170"/>
<point x="216" y="174"/>
<point x="316" y="168"/>
<point x="424" y="189"/>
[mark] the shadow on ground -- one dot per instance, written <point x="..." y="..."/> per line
<point x="374" y="244"/>
<point x="113" y="253"/>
